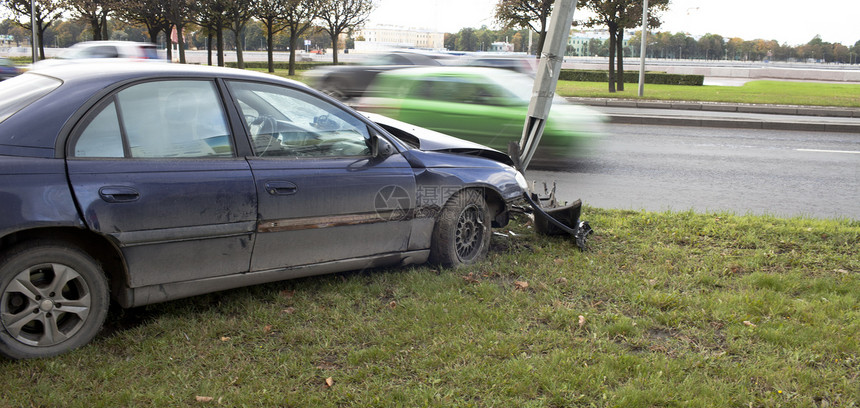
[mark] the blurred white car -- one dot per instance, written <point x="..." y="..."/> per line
<point x="110" y="50"/>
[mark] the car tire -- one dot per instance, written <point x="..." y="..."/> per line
<point x="53" y="299"/>
<point x="462" y="232"/>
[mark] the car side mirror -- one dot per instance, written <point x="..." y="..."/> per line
<point x="379" y="147"/>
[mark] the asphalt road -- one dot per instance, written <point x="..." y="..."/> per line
<point x="657" y="168"/>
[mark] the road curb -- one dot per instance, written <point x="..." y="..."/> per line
<point x="820" y="111"/>
<point x="733" y="123"/>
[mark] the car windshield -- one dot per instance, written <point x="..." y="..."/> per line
<point x="519" y="85"/>
<point x="18" y="92"/>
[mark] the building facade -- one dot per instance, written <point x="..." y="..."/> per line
<point x="380" y="38"/>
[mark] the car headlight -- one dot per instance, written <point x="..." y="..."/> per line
<point x="522" y="182"/>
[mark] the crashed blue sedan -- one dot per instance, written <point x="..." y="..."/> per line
<point x="144" y="183"/>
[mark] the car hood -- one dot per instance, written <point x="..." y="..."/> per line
<point x="432" y="141"/>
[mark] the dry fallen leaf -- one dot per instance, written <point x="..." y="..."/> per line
<point x="329" y="382"/>
<point x="288" y="293"/>
<point x="470" y="278"/>
<point x="561" y="281"/>
<point x="289" y="310"/>
<point x="521" y="285"/>
<point x="267" y="329"/>
<point x="581" y="321"/>
<point x="204" y="399"/>
<point x="558" y="261"/>
<point x="225" y="338"/>
<point x="749" y="323"/>
<point x="392" y="304"/>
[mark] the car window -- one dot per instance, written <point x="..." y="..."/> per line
<point x="158" y="119"/>
<point x="18" y="92"/>
<point x="102" y="51"/>
<point x="287" y="122"/>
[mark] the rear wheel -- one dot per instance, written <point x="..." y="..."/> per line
<point x="462" y="232"/>
<point x="53" y="299"/>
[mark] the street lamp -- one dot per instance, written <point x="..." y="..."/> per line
<point x="642" y="51"/>
<point x="33" y="26"/>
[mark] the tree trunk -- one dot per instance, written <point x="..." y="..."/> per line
<point x="294" y="40"/>
<point x="97" y="30"/>
<point x="181" y="42"/>
<point x="619" y="45"/>
<point x="209" y="48"/>
<point x="105" y="34"/>
<point x="611" y="61"/>
<point x="240" y="44"/>
<point x="169" y="43"/>
<point x="153" y="34"/>
<point x="270" y="41"/>
<point x="219" y="41"/>
<point x="40" y="35"/>
<point x="334" y="47"/>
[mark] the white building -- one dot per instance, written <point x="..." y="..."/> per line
<point x="380" y="38"/>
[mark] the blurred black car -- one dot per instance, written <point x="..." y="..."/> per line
<point x="7" y="69"/>
<point x="350" y="81"/>
<point x="144" y="183"/>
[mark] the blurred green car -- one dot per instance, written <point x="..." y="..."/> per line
<point x="483" y="105"/>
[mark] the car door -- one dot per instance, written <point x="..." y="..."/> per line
<point x="323" y="195"/>
<point x="464" y="107"/>
<point x="153" y="166"/>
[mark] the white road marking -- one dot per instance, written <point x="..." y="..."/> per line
<point x="828" y="151"/>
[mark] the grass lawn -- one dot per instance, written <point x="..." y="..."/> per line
<point x="756" y="92"/>
<point x="666" y="309"/>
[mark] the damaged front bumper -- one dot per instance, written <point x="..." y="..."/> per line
<point x="553" y="218"/>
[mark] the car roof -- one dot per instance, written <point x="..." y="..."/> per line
<point x="81" y="82"/>
<point x="114" y="70"/>
<point x="115" y="43"/>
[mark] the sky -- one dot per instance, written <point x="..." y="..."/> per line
<point x="792" y="22"/>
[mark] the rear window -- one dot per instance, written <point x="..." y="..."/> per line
<point x="20" y="91"/>
<point x="149" y="52"/>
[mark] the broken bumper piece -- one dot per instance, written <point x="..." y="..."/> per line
<point x="552" y="219"/>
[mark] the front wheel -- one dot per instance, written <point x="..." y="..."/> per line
<point x="462" y="232"/>
<point x="53" y="299"/>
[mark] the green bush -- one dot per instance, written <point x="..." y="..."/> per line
<point x="631" y="77"/>
<point x="300" y="66"/>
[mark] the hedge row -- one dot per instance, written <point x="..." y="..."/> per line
<point x="631" y="77"/>
<point x="279" y="65"/>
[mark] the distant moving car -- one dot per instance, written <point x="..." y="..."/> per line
<point x="8" y="69"/>
<point x="350" y="81"/>
<point x="151" y="182"/>
<point x="113" y="50"/>
<point x="484" y="105"/>
<point x="525" y="65"/>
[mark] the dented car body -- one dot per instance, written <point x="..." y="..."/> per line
<point x="144" y="183"/>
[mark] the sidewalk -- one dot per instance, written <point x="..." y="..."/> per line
<point x="708" y="114"/>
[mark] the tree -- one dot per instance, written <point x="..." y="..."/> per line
<point x="239" y="13"/>
<point x="178" y="13"/>
<point x="466" y="40"/>
<point x="95" y="13"/>
<point x="338" y="16"/>
<point x="298" y="17"/>
<point x="272" y="14"/>
<point x="532" y="14"/>
<point x="152" y="14"/>
<point x="618" y="15"/>
<point x="47" y="12"/>
<point x="212" y="16"/>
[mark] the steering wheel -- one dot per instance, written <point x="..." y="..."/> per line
<point x="263" y="134"/>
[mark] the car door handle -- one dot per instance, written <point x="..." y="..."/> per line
<point x="119" y="194"/>
<point x="281" y="188"/>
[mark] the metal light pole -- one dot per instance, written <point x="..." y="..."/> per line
<point x="642" y="52"/>
<point x="33" y="26"/>
<point x="549" y="67"/>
